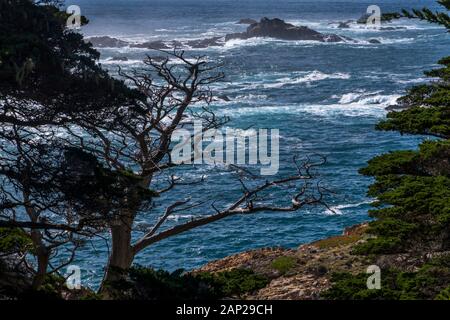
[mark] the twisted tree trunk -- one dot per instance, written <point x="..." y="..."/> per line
<point x="43" y="257"/>
<point x="121" y="256"/>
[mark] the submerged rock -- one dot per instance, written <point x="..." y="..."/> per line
<point x="374" y="41"/>
<point x="224" y="98"/>
<point x="119" y="59"/>
<point x="345" y="25"/>
<point x="157" y="45"/>
<point x="205" y="43"/>
<point x="278" y="29"/>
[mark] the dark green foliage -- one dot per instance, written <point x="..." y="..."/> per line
<point x="354" y="287"/>
<point x="430" y="160"/>
<point x="428" y="107"/>
<point x="51" y="289"/>
<point x="430" y="282"/>
<point x="418" y="120"/>
<point x="441" y="18"/>
<point x="415" y="210"/>
<point x="41" y="60"/>
<point x="412" y="189"/>
<point x="444" y="294"/>
<point x="235" y="282"/>
<point x="397" y="162"/>
<point x="90" y="187"/>
<point x="148" y="284"/>
<point x="284" y="264"/>
<point x="379" y="245"/>
<point x="13" y="240"/>
<point x="393" y="235"/>
<point x="49" y="76"/>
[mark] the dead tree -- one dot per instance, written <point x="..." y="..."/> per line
<point x="138" y="139"/>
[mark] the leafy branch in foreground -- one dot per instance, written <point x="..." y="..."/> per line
<point x="426" y="14"/>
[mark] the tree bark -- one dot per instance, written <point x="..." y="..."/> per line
<point x="43" y="257"/>
<point x="121" y="256"/>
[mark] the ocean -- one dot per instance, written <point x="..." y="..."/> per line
<point x="323" y="97"/>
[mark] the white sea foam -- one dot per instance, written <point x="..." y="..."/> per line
<point x="360" y="96"/>
<point x="260" y="41"/>
<point x="279" y="80"/>
<point x="338" y="210"/>
<point x="177" y="217"/>
<point x="372" y="106"/>
<point x="111" y="61"/>
<point x="309" y="77"/>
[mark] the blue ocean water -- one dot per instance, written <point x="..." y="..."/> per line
<point x="324" y="98"/>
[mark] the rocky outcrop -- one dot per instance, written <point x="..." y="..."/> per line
<point x="385" y="17"/>
<point x="344" y="25"/>
<point x="155" y="45"/>
<point x="107" y="42"/>
<point x="306" y="273"/>
<point x="205" y="43"/>
<point x="309" y="269"/>
<point x="247" y="21"/>
<point x="119" y="59"/>
<point x="278" y="29"/>
<point x="270" y="28"/>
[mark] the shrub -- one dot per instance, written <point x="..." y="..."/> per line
<point x="149" y="284"/>
<point x="284" y="264"/>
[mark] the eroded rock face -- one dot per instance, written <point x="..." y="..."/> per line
<point x="278" y="29"/>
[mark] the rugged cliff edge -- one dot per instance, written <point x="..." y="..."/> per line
<point x="302" y="273"/>
<point x="310" y="271"/>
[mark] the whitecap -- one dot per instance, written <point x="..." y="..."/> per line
<point x="112" y="61"/>
<point x="295" y="78"/>
<point x="338" y="210"/>
<point x="371" y="106"/>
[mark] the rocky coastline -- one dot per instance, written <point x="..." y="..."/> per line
<point x="267" y="28"/>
